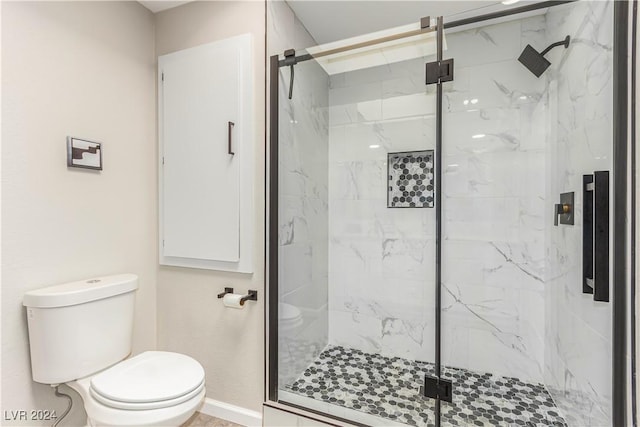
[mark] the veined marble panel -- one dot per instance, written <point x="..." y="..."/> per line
<point x="578" y="330"/>
<point x="381" y="261"/>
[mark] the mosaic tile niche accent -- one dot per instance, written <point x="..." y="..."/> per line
<point x="410" y="179"/>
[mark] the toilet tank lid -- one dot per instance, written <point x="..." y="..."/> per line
<point x="81" y="291"/>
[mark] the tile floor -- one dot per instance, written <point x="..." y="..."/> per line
<point x="388" y="388"/>
<point x="202" y="420"/>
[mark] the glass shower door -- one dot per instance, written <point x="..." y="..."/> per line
<point x="521" y="340"/>
<point x="356" y="226"/>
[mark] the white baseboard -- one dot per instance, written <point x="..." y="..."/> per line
<point x="235" y="414"/>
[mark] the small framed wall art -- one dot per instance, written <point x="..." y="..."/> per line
<point x="84" y="154"/>
<point x="410" y="179"/>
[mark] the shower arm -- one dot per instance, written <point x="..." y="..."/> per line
<point x="564" y="43"/>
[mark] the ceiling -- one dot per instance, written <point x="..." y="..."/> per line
<point x="160" y="5"/>
<point x="329" y="21"/>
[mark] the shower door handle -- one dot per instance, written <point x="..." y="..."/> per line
<point x="595" y="235"/>
<point x="229" y="140"/>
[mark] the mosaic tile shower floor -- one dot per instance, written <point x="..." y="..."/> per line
<point x="387" y="387"/>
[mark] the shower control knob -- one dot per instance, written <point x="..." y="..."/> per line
<point x="561" y="209"/>
<point x="564" y="210"/>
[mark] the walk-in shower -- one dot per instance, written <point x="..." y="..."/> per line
<point x="428" y="202"/>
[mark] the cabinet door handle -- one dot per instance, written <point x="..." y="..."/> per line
<point x="595" y="235"/>
<point x="230" y="147"/>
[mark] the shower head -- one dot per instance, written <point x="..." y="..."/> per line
<point x="535" y="61"/>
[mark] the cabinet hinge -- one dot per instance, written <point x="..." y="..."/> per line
<point x="163" y="160"/>
<point x="162" y="76"/>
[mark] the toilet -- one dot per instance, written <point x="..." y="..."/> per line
<point x="289" y="316"/>
<point x="80" y="335"/>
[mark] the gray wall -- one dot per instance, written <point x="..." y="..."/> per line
<point x="85" y="69"/>
<point x="191" y="320"/>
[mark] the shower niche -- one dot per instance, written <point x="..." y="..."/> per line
<point x="410" y="179"/>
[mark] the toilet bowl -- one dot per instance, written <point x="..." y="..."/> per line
<point x="154" y="388"/>
<point x="80" y="334"/>
<point x="289" y="316"/>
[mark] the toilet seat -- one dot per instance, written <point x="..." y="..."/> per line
<point x="150" y="380"/>
<point x="134" y="406"/>
<point x="182" y="403"/>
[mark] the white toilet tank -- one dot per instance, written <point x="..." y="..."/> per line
<point x="79" y="328"/>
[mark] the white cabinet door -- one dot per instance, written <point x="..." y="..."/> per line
<point x="204" y="139"/>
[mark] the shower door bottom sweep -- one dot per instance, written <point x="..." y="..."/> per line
<point x="387" y="387"/>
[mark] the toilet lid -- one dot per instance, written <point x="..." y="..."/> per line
<point x="152" y="376"/>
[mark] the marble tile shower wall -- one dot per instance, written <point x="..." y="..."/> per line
<point x="578" y="329"/>
<point x="303" y="208"/>
<point x="381" y="260"/>
<point x="494" y="199"/>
